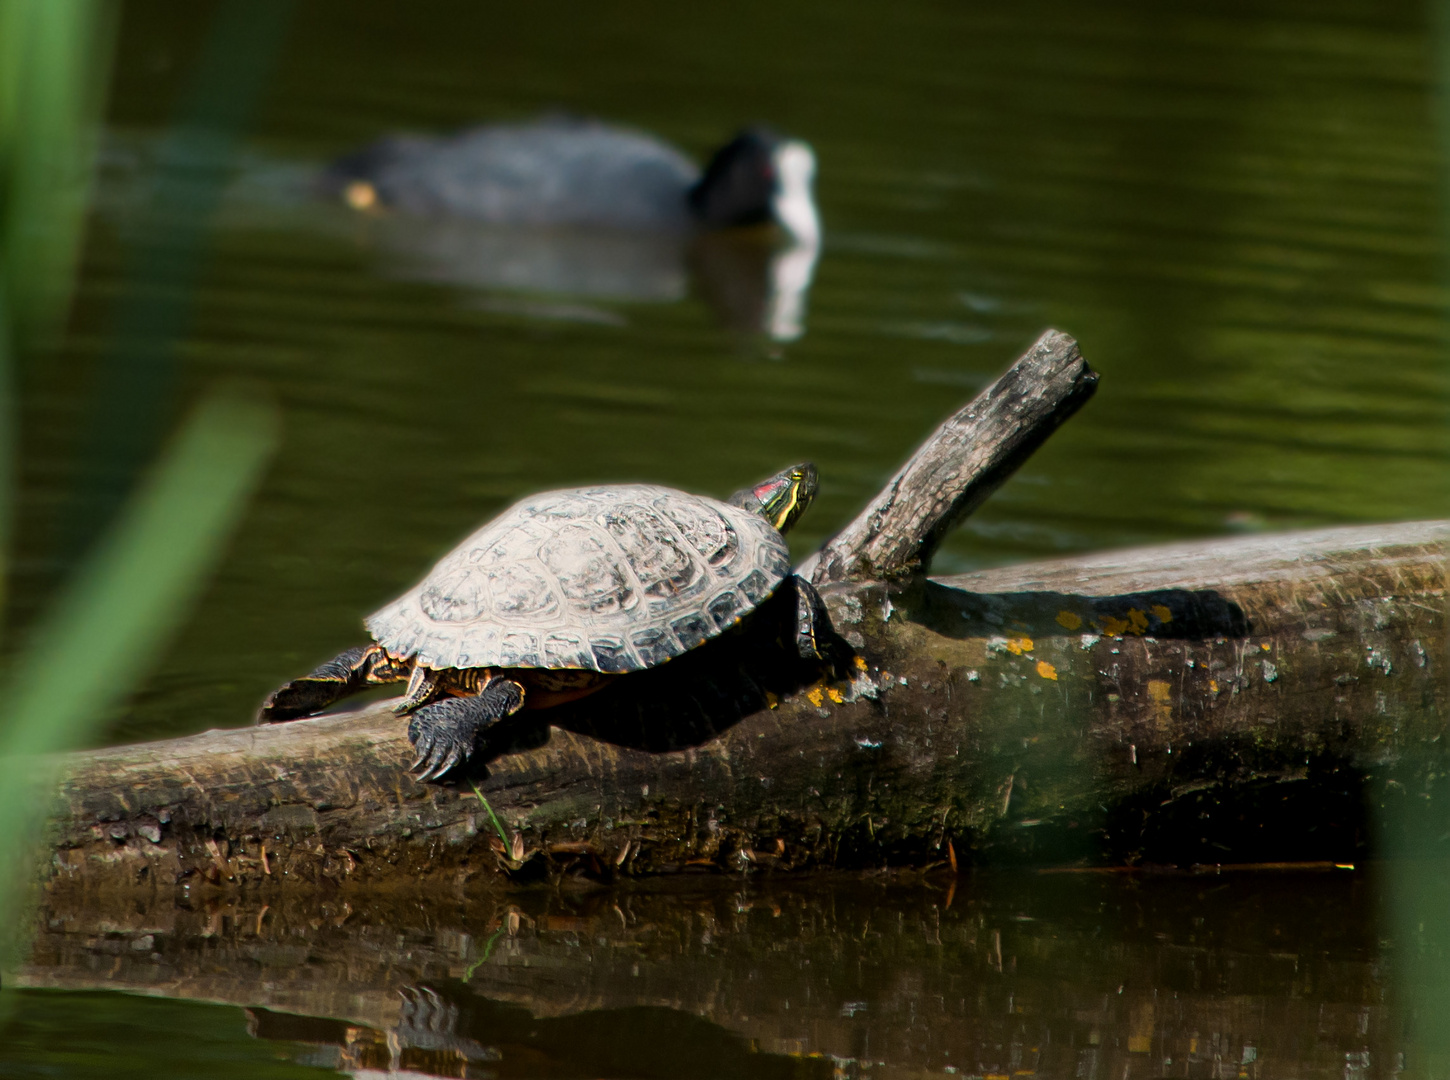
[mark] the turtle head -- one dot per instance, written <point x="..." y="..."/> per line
<point x="781" y="499"/>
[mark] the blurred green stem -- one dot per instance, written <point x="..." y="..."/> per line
<point x="97" y="639"/>
<point x="95" y="642"/>
<point x="9" y="440"/>
<point x="54" y="69"/>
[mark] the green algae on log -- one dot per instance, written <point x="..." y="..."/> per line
<point x="1256" y="693"/>
<point x="1229" y="701"/>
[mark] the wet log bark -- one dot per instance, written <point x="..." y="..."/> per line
<point x="1235" y="701"/>
<point x="1220" y="702"/>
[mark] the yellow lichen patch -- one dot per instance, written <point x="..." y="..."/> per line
<point x="1135" y="623"/>
<point x="1265" y="646"/>
<point x="835" y="695"/>
<point x="1019" y="645"/>
<point x="1113" y="627"/>
<point x="1160" y="692"/>
<point x="772" y="700"/>
<point x="1141" y="1027"/>
<point x="1162" y="612"/>
<point x="860" y="663"/>
<point x="816" y="696"/>
<point x="1046" y="670"/>
<point x="1068" y="620"/>
<point x="1213" y="685"/>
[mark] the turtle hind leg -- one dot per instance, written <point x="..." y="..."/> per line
<point x="344" y="674"/>
<point x="446" y="732"/>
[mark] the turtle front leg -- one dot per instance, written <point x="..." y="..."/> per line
<point x="347" y="673"/>
<point x="446" y="732"/>
<point x="811" y="621"/>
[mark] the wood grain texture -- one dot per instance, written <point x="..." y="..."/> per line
<point x="966" y="459"/>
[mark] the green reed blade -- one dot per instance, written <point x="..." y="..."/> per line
<point x="487" y="952"/>
<point x="9" y="440"/>
<point x="95" y="642"/>
<point x="54" y="69"/>
<point x="497" y="825"/>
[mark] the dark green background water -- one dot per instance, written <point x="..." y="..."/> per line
<point x="1237" y="208"/>
<point x="1234" y="207"/>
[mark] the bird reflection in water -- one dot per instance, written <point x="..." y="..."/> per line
<point x="752" y="283"/>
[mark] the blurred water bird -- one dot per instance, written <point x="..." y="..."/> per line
<point x="557" y="219"/>
<point x="584" y="173"/>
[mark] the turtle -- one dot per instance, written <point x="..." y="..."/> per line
<point x="561" y="593"/>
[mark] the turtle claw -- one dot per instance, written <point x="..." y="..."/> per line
<point x="443" y="741"/>
<point x="445" y="732"/>
<point x="439" y="768"/>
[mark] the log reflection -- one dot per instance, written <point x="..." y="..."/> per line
<point x="1252" y="976"/>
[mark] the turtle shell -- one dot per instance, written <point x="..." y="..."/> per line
<point x="612" y="579"/>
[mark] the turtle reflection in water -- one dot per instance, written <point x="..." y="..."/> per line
<point x="562" y="592"/>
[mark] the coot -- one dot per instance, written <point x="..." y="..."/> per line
<point x="584" y="173"/>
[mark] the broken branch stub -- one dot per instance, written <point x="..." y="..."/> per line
<point x="959" y="466"/>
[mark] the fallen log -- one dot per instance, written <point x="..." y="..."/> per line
<point x="1218" y="702"/>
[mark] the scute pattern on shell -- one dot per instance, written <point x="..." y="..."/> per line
<point x="612" y="578"/>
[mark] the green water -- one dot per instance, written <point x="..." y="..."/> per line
<point x="1237" y="209"/>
